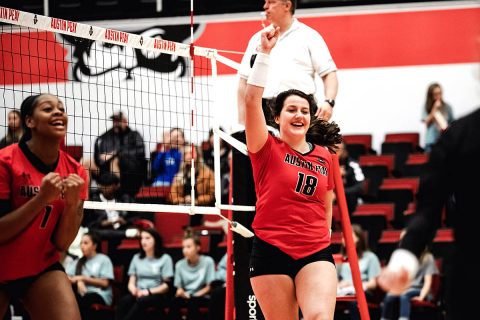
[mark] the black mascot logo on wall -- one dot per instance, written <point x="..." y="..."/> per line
<point x="100" y="59"/>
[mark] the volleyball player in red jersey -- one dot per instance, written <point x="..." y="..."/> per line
<point x="41" y="207"/>
<point x="291" y="265"/>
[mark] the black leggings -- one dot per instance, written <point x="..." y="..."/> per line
<point x="131" y="308"/>
<point x="193" y="306"/>
<point x="86" y="302"/>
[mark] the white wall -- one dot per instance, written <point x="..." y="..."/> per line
<point x="383" y="100"/>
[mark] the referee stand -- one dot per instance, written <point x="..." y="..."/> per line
<point x="349" y="243"/>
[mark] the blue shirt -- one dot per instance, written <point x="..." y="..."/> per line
<point x="100" y="266"/>
<point x="165" y="166"/>
<point x="193" y="278"/>
<point x="151" y="272"/>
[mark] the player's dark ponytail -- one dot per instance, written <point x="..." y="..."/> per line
<point x="81" y="262"/>
<point x="324" y="133"/>
<point x="26" y="109"/>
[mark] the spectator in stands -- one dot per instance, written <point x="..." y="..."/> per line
<point x="448" y="172"/>
<point x="167" y="161"/>
<point x="370" y="268"/>
<point x="14" y="129"/>
<point x="352" y="175"/>
<point x="436" y="115"/>
<point x="91" y="276"/>
<point x="224" y="162"/>
<point x="193" y="277"/>
<point x="216" y="308"/>
<point x="204" y="183"/>
<point x="109" y="224"/>
<point x="150" y="275"/>
<point x="121" y="151"/>
<point x="420" y="289"/>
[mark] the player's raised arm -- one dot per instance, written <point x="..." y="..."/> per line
<point x="255" y="124"/>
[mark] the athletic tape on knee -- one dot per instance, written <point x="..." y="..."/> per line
<point x="259" y="74"/>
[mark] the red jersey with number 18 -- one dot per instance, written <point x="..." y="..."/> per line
<point x="290" y="189"/>
<point x="21" y="173"/>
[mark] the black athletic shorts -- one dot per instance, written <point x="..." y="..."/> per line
<point x="267" y="259"/>
<point x="17" y="288"/>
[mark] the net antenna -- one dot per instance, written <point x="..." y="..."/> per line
<point x="99" y="71"/>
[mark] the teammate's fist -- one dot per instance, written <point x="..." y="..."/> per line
<point x="73" y="185"/>
<point x="51" y="187"/>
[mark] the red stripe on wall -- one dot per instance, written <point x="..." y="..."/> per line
<point x="33" y="57"/>
<point x="374" y="40"/>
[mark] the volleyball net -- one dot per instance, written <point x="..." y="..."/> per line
<point x="149" y="89"/>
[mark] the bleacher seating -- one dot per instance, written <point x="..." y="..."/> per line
<point x="400" y="191"/>
<point x="148" y="194"/>
<point x="414" y="164"/>
<point x="358" y="144"/>
<point x="375" y="168"/>
<point x="411" y="137"/>
<point x="401" y="145"/>
<point x="442" y="245"/>
<point x="374" y="218"/>
<point x="387" y="243"/>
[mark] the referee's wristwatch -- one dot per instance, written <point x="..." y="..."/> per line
<point x="331" y="102"/>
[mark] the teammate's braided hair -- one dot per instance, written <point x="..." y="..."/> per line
<point x="26" y="109"/>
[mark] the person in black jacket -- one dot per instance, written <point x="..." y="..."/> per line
<point x="452" y="169"/>
<point x="121" y="150"/>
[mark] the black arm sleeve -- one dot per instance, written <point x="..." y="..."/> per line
<point x="435" y="187"/>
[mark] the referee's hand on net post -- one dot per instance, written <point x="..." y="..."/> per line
<point x="269" y="38"/>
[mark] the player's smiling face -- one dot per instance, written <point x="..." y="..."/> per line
<point x="49" y="117"/>
<point x="294" y="119"/>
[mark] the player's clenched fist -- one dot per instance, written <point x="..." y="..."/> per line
<point x="72" y="187"/>
<point x="51" y="187"/>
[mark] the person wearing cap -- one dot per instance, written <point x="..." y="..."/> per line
<point x="42" y="190"/>
<point x="121" y="150"/>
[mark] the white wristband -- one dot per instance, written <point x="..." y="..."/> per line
<point x="402" y="258"/>
<point x="259" y="74"/>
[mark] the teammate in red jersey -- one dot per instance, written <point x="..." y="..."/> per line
<point x="41" y="207"/>
<point x="291" y="264"/>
